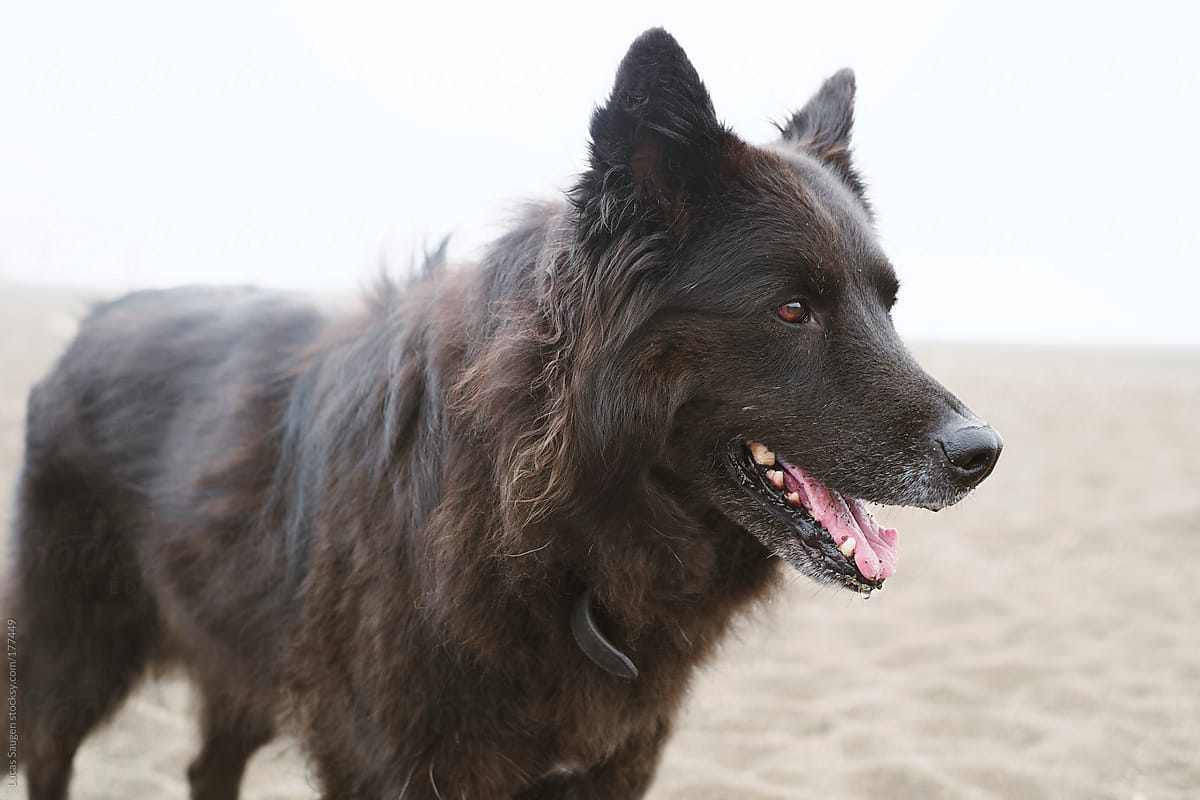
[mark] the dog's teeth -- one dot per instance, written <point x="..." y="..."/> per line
<point x="847" y="547"/>
<point x="793" y="498"/>
<point x="762" y="456"/>
<point x="775" y="477"/>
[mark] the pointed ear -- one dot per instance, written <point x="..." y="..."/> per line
<point x="656" y="144"/>
<point x="823" y="126"/>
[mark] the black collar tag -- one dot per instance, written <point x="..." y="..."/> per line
<point x="603" y="653"/>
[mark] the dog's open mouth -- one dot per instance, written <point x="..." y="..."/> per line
<point x="827" y="535"/>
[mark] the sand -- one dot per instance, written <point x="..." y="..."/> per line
<point x="1042" y="639"/>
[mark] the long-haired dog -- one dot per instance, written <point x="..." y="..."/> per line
<point x="473" y="540"/>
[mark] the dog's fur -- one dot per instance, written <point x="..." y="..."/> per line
<point x="371" y="528"/>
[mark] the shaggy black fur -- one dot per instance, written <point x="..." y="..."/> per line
<point x="371" y="528"/>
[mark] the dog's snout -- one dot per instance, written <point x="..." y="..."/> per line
<point x="971" y="450"/>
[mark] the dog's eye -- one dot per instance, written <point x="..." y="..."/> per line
<point x="794" y="312"/>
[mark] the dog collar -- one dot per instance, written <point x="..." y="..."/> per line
<point x="603" y="653"/>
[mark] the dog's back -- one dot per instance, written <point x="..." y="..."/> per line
<point x="162" y="401"/>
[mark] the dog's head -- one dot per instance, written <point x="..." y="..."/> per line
<point x="730" y="306"/>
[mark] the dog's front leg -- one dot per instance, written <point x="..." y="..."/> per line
<point x="626" y="774"/>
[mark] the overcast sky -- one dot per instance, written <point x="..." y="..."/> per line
<point x="1035" y="167"/>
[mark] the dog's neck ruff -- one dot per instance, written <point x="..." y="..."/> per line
<point x="594" y="644"/>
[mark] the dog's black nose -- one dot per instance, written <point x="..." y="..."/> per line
<point x="971" y="450"/>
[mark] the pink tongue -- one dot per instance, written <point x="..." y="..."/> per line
<point x="874" y="547"/>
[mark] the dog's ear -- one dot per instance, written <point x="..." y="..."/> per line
<point x="823" y="126"/>
<point x="656" y="144"/>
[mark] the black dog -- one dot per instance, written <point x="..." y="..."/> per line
<point x="472" y="541"/>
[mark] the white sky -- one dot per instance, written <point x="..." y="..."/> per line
<point x="1035" y="167"/>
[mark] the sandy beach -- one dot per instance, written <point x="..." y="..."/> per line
<point x="1040" y="640"/>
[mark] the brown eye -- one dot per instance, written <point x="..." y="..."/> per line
<point x="794" y="312"/>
